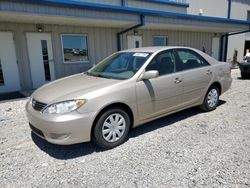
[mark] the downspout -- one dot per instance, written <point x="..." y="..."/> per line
<point x="123" y="3"/>
<point x="221" y="47"/>
<point x="229" y="9"/>
<point x="226" y="36"/>
<point x="118" y="35"/>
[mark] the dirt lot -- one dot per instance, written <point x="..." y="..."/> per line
<point x="187" y="149"/>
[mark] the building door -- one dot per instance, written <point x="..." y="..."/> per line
<point x="9" y="75"/>
<point x="215" y="47"/>
<point x="134" y="41"/>
<point x="41" y="58"/>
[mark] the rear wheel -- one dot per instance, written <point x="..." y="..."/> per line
<point x="111" y="128"/>
<point x="211" y="99"/>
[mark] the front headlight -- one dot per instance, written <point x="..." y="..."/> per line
<point x="30" y="100"/>
<point x="64" y="107"/>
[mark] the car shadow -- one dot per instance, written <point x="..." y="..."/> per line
<point x="65" y="152"/>
<point x="83" y="149"/>
<point x="247" y="78"/>
<point x="168" y="120"/>
<point x="11" y="96"/>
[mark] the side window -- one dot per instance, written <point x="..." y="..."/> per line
<point x="190" y="60"/>
<point x="163" y="62"/>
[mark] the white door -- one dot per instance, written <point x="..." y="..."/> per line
<point x="215" y="47"/>
<point x="41" y="58"/>
<point x="134" y="41"/>
<point x="9" y="75"/>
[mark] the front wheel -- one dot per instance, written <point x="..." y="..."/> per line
<point x="211" y="99"/>
<point x="111" y="128"/>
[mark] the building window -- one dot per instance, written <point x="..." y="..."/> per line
<point x="45" y="60"/>
<point x="248" y="16"/>
<point x="75" y="48"/>
<point x="160" y="41"/>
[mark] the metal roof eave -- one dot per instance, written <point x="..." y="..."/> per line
<point x="167" y="2"/>
<point x="130" y="10"/>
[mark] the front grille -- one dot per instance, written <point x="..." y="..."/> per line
<point x="38" y="105"/>
<point x="37" y="131"/>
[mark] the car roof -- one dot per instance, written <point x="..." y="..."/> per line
<point x="156" y="49"/>
<point x="153" y="49"/>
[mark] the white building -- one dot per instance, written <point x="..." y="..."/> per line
<point x="231" y="9"/>
<point x="42" y="40"/>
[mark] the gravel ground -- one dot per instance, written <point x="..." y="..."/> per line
<point x="187" y="149"/>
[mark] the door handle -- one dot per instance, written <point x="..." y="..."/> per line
<point x="209" y="72"/>
<point x="177" y="80"/>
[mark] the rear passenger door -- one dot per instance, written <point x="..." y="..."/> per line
<point x="162" y="94"/>
<point x="197" y="74"/>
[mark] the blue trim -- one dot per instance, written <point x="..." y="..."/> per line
<point x="167" y="2"/>
<point x="229" y="9"/>
<point x="130" y="10"/>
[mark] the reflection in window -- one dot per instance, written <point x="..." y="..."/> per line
<point x="189" y="59"/>
<point x="164" y="63"/>
<point x="75" y="48"/>
<point x="160" y="41"/>
<point x="1" y="74"/>
<point x="120" y="65"/>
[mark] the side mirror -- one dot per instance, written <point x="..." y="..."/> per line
<point x="150" y="74"/>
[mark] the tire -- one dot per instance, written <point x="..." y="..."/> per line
<point x="105" y="134"/>
<point x="243" y="75"/>
<point x="211" y="99"/>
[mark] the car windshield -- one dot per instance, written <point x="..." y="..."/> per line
<point x="121" y="66"/>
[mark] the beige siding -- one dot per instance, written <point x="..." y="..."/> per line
<point x="198" y="24"/>
<point x="176" y="38"/>
<point x="37" y="9"/>
<point x="101" y="43"/>
<point x="156" y="6"/>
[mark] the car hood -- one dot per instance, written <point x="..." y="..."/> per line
<point x="72" y="87"/>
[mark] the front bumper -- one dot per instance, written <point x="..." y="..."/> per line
<point x="63" y="129"/>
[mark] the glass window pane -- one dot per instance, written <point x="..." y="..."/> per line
<point x="120" y="65"/>
<point x="160" y="41"/>
<point x="75" y="48"/>
<point x="137" y="44"/>
<point x="189" y="59"/>
<point x="164" y="63"/>
<point x="45" y="60"/>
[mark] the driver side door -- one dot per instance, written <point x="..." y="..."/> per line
<point x="163" y="94"/>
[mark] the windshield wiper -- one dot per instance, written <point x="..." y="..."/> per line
<point x="101" y="76"/>
<point x="90" y="74"/>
